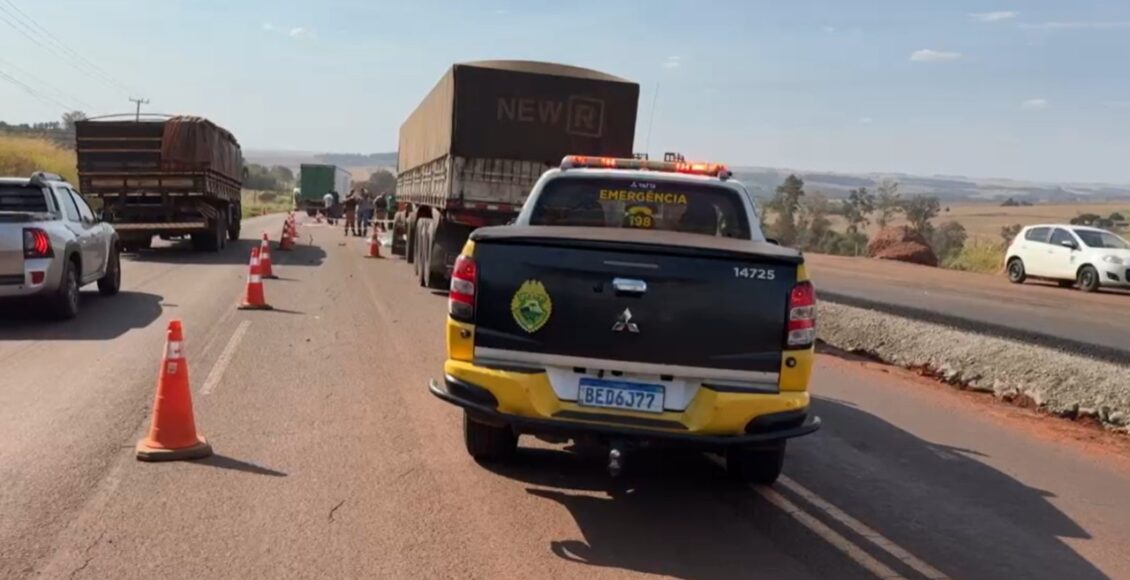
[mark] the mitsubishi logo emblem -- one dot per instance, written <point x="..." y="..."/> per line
<point x="624" y="322"/>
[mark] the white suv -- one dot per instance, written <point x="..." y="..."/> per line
<point x="1072" y="255"/>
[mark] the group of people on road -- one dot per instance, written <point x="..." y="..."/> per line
<point x="359" y="209"/>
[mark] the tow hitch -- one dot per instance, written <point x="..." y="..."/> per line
<point x="616" y="450"/>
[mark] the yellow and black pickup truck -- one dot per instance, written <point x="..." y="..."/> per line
<point x="632" y="302"/>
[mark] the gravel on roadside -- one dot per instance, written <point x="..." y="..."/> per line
<point x="1064" y="384"/>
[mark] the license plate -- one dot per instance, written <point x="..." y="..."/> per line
<point x="620" y="395"/>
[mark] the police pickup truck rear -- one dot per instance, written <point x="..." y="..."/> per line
<point x="632" y="302"/>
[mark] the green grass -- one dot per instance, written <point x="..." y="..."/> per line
<point x="978" y="256"/>
<point x="22" y="156"/>
<point x="257" y="203"/>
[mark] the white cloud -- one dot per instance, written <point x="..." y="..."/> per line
<point x="1111" y="25"/>
<point x="297" y="31"/>
<point x="1034" y="104"/>
<point x="828" y="28"/>
<point x="268" y="26"/>
<point x="993" y="16"/>
<point x="930" y="55"/>
<point x="672" y="62"/>
<point x="865" y="120"/>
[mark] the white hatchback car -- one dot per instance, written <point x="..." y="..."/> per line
<point x="1082" y="256"/>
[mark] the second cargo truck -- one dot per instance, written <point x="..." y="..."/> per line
<point x="474" y="147"/>
<point x="315" y="181"/>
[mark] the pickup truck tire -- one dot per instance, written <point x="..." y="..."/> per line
<point x="111" y="282"/>
<point x="64" y="303"/>
<point x="487" y="443"/>
<point x="756" y="465"/>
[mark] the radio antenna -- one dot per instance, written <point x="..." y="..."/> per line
<point x="651" y="122"/>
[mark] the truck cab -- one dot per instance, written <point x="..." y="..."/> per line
<point x="633" y="303"/>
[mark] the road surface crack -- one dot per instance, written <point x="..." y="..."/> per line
<point x="334" y="510"/>
<point x="86" y="554"/>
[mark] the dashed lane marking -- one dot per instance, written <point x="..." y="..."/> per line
<point x="863" y="530"/>
<point x="217" y="373"/>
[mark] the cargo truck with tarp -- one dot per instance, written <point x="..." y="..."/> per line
<point x="315" y="181"/>
<point x="163" y="176"/>
<point x="474" y="147"/>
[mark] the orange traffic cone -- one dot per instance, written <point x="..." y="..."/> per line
<point x="285" y="241"/>
<point x="253" y="298"/>
<point x="265" y="267"/>
<point x="172" y="433"/>
<point x="374" y="245"/>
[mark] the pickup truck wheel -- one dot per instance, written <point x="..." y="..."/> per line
<point x="756" y="465"/>
<point x="111" y="281"/>
<point x="487" y="443"/>
<point x="1088" y="279"/>
<point x="64" y="304"/>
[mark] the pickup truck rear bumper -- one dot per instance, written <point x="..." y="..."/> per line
<point x="483" y="406"/>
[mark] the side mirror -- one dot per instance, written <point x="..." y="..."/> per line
<point x="1069" y="244"/>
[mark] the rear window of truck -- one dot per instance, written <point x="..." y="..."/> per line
<point x="23" y="198"/>
<point x="641" y="204"/>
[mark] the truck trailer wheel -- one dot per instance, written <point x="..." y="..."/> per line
<point x="399" y="239"/>
<point x="235" y="223"/>
<point x="438" y="247"/>
<point x="211" y="240"/>
<point x="311" y="213"/>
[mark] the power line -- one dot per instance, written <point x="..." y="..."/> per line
<point x="31" y="91"/>
<point x="53" y="37"/>
<point x="83" y="65"/>
<point x="50" y="87"/>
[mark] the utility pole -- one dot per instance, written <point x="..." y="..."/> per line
<point x="139" y="103"/>
<point x="651" y="121"/>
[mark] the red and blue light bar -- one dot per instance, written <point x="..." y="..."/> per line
<point x="694" y="168"/>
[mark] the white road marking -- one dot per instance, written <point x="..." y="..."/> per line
<point x="855" y="553"/>
<point x="863" y="530"/>
<point x="224" y="360"/>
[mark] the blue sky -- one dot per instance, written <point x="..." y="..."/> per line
<point x="1028" y="89"/>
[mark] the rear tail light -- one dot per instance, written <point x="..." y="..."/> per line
<point x="461" y="299"/>
<point x="37" y="244"/>
<point x="802" y="316"/>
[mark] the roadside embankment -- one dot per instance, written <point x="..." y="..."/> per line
<point x="1061" y="383"/>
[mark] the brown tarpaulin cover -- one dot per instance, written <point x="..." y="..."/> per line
<point x="195" y="143"/>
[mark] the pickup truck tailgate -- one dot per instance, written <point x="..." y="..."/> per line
<point x="679" y="299"/>
<point x="11" y="252"/>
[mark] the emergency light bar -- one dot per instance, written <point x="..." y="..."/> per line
<point x="713" y="169"/>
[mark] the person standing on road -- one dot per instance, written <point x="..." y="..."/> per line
<point x="381" y="207"/>
<point x="350" y="205"/>
<point x="366" y="206"/>
<point x="328" y="203"/>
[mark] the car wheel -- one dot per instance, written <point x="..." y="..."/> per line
<point x="1016" y="273"/>
<point x="64" y="304"/>
<point x="487" y="443"/>
<point x="1088" y="279"/>
<point x="111" y="281"/>
<point x="756" y="465"/>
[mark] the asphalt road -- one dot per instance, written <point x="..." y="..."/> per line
<point x="1094" y="324"/>
<point x="332" y="460"/>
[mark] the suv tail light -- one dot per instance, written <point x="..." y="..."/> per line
<point x="461" y="299"/>
<point x="37" y="244"/>
<point x="802" y="316"/>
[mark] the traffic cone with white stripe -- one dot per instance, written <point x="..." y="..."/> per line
<point x="172" y="433"/>
<point x="253" y="298"/>
<point x="374" y="245"/>
<point x="285" y="241"/>
<point x="265" y="267"/>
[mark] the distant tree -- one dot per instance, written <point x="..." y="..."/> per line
<point x="857" y="207"/>
<point x="812" y="223"/>
<point x="70" y="118"/>
<point x="785" y="203"/>
<point x="1116" y="217"/>
<point x="888" y="202"/>
<point x="1009" y="233"/>
<point x="1009" y="203"/>
<point x="948" y="240"/>
<point x="381" y="181"/>
<point x="919" y="210"/>
<point x="1086" y="219"/>
<point x="283" y="175"/>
